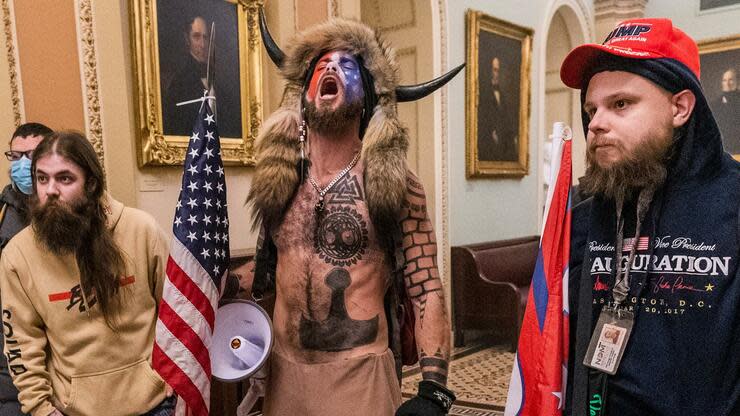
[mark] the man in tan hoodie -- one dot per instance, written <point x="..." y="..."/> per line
<point x="80" y="289"/>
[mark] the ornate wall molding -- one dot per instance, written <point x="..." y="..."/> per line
<point x="403" y="25"/>
<point x="89" y="71"/>
<point x="585" y="12"/>
<point x="14" y="72"/>
<point x="443" y="190"/>
<point x="333" y="8"/>
<point x="619" y="8"/>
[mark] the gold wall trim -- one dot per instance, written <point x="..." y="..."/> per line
<point x="333" y="8"/>
<point x="13" y="69"/>
<point x="89" y="70"/>
<point x="444" y="210"/>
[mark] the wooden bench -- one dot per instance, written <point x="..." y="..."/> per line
<point x="490" y="285"/>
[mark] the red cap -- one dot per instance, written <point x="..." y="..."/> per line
<point x="637" y="39"/>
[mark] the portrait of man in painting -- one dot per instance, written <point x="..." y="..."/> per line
<point x="499" y="62"/>
<point x="720" y="73"/>
<point x="183" y="33"/>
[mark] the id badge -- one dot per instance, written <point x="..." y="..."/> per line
<point x="609" y="340"/>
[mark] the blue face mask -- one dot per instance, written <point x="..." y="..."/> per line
<point x="20" y="173"/>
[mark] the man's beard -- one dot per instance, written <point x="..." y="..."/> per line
<point x="59" y="226"/>
<point x="646" y="166"/>
<point x="328" y="121"/>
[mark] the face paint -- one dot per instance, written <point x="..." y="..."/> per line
<point x="341" y="67"/>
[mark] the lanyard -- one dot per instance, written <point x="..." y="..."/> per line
<point x="598" y="381"/>
<point x="622" y="279"/>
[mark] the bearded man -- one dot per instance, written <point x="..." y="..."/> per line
<point x="655" y="286"/>
<point x="80" y="289"/>
<point x="345" y="233"/>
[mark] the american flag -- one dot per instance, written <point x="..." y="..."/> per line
<point x="197" y="263"/>
<point x="538" y="379"/>
<point x="642" y="244"/>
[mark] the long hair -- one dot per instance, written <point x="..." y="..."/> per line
<point x="99" y="259"/>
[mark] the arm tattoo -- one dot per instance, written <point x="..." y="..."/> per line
<point x="434" y="367"/>
<point x="420" y="248"/>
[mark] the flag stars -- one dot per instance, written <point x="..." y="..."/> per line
<point x="193" y="186"/>
<point x="193" y="152"/>
<point x="193" y="169"/>
<point x="218" y="205"/>
<point x="209" y="136"/>
<point x="192" y="220"/>
<point x="206" y="236"/>
<point x="207" y="220"/>
<point x="209" y="119"/>
<point x="208" y="169"/>
<point x="220" y="171"/>
<point x="208" y="154"/>
<point x="192" y="203"/>
<point x="179" y="204"/>
<point x="220" y="187"/>
<point x="216" y="270"/>
<point x="195" y="137"/>
<point x="191" y="236"/>
<point x="205" y="253"/>
<point x="207" y="186"/>
<point x="178" y="221"/>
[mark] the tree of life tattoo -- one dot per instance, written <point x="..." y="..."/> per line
<point x="434" y="367"/>
<point x="341" y="236"/>
<point x="420" y="248"/>
<point x="338" y="332"/>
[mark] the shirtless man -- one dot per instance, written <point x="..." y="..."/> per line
<point x="345" y="234"/>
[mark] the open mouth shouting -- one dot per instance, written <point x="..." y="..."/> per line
<point x="328" y="87"/>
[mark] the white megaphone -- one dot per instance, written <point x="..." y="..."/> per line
<point x="242" y="340"/>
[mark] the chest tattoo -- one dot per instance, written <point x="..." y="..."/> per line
<point x="346" y="191"/>
<point x="341" y="236"/>
<point x="338" y="332"/>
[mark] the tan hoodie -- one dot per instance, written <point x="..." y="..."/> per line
<point x="61" y="353"/>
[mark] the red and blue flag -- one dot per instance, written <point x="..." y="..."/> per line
<point x="538" y="379"/>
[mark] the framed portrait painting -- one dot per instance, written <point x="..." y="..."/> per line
<point x="171" y="40"/>
<point x="717" y="6"/>
<point x="497" y="96"/>
<point x="720" y="73"/>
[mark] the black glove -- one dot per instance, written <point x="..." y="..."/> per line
<point x="433" y="400"/>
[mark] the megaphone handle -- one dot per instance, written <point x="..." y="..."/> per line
<point x="256" y="390"/>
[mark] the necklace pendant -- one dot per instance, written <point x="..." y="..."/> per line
<point x="319" y="205"/>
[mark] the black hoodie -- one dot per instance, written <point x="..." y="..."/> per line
<point x="683" y="357"/>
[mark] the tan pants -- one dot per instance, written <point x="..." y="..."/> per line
<point x="361" y="386"/>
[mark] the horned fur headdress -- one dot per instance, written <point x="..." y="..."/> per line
<point x="385" y="140"/>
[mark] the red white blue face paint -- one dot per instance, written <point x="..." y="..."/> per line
<point x="336" y="72"/>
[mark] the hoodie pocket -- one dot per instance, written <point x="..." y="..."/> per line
<point x="129" y="390"/>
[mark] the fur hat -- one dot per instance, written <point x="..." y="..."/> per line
<point x="384" y="143"/>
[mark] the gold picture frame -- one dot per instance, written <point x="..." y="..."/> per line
<point x="717" y="57"/>
<point x="497" y="109"/>
<point x="157" y="147"/>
